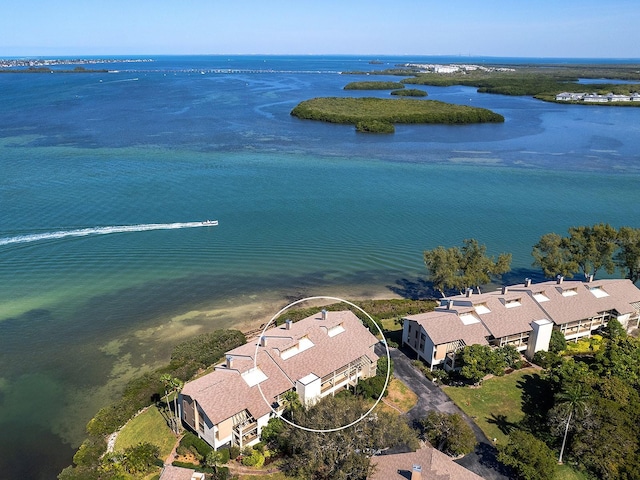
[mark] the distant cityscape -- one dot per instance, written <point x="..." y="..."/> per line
<point x="596" y="98"/>
<point x="42" y="62"/>
<point x="454" y="68"/>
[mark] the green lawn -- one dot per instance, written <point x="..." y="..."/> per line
<point x="496" y="406"/>
<point x="565" y="472"/>
<point x="150" y="426"/>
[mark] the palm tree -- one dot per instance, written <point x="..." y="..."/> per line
<point x="172" y="385"/>
<point x="166" y="380"/>
<point x="291" y="402"/>
<point x="177" y="385"/>
<point x="574" y="401"/>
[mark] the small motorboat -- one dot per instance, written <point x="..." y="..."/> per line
<point x="210" y="222"/>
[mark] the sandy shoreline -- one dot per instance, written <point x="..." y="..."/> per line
<point x="250" y="314"/>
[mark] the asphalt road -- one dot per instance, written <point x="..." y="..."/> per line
<point x="483" y="460"/>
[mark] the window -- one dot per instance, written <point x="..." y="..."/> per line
<point x="333" y="331"/>
<point x="481" y="308"/>
<point x="598" y="292"/>
<point x="303" y="344"/>
<point x="540" y="297"/>
<point x="513" y="303"/>
<point x="254" y="376"/>
<point x="469" y="318"/>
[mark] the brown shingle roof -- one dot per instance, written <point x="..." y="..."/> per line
<point x="435" y="465"/>
<point x="444" y="326"/>
<point x="169" y="472"/>
<point x="223" y="392"/>
<point x="621" y="293"/>
<point x="502" y="320"/>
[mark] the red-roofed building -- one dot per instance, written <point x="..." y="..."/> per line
<point x="315" y="357"/>
<point x="520" y="315"/>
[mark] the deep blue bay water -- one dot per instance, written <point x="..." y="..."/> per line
<point x="305" y="208"/>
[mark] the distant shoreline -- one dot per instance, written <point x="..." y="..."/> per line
<point x="47" y="62"/>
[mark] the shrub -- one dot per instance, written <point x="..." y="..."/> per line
<point x="221" y="474"/>
<point x="531" y="458"/>
<point x="225" y="455"/>
<point x="546" y="359"/>
<point x="194" y="451"/>
<point x="247" y="451"/>
<point x="440" y="375"/>
<point x="182" y="450"/>
<point x="255" y="459"/>
<point x="203" y="350"/>
<point x="140" y="458"/>
<point x="189" y="440"/>
<point x="90" y="451"/>
<point x="449" y="433"/>
<point x="234" y="451"/>
<point x="419" y="364"/>
<point x="372" y="387"/>
<point x="259" y="447"/>
<point x="558" y="342"/>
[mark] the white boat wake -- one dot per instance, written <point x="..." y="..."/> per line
<point x="83" y="232"/>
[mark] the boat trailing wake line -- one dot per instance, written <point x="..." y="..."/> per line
<point x="83" y="232"/>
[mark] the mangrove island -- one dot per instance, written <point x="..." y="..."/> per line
<point x="378" y="115"/>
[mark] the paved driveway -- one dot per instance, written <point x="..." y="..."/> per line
<point x="430" y="397"/>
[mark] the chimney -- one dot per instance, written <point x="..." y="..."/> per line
<point x="287" y="324"/>
<point x="324" y="314"/>
<point x="590" y="278"/>
<point x="229" y="361"/>
<point x="505" y="289"/>
<point x="559" y="279"/>
<point x="263" y="341"/>
<point x="469" y="292"/>
<point x="416" y="472"/>
<point x="527" y="282"/>
<point x="449" y="304"/>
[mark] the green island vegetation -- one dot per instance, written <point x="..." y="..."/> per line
<point x="543" y="82"/>
<point x="390" y="111"/>
<point x="373" y="86"/>
<point x="409" y="92"/>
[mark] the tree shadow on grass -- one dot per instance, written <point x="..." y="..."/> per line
<point x="537" y="399"/>
<point x="504" y="425"/>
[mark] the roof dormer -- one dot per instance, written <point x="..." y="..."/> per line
<point x="481" y="308"/>
<point x="598" y="292"/>
<point x="303" y="344"/>
<point x="337" y="330"/>
<point x="515" y="302"/>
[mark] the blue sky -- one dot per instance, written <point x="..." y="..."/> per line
<point x="541" y="28"/>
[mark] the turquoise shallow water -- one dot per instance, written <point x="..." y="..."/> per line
<point x="304" y="209"/>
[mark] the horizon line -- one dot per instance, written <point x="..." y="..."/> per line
<point x="142" y="55"/>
